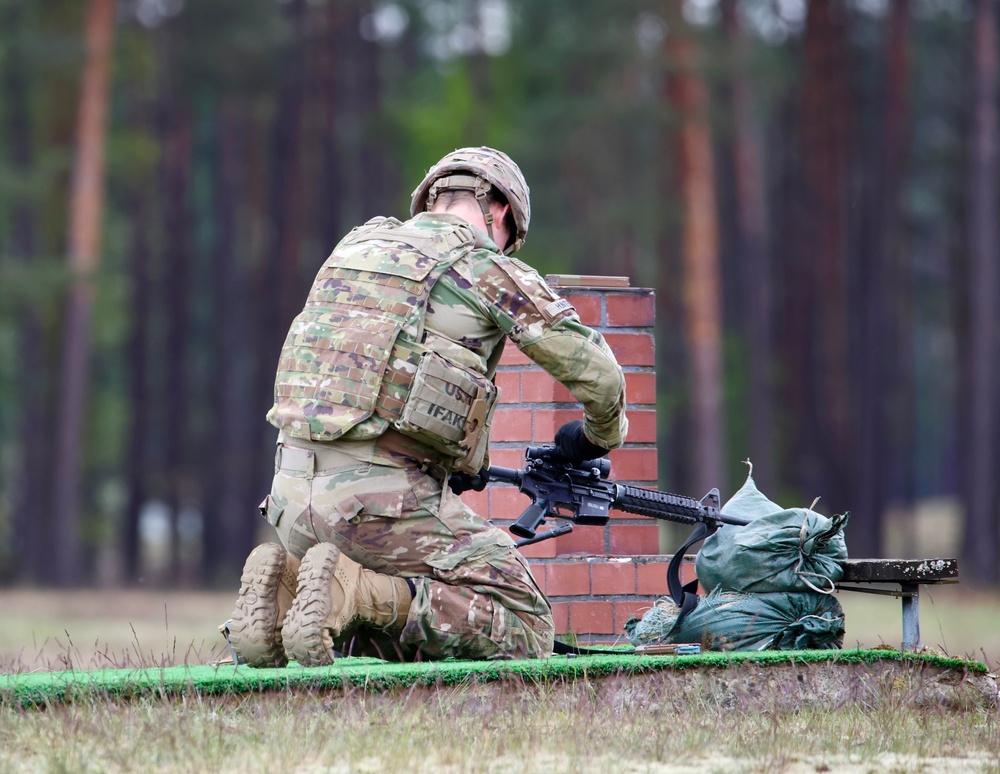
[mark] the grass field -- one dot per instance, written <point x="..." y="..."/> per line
<point x="86" y="629"/>
<point x="571" y="727"/>
<point x="560" y="728"/>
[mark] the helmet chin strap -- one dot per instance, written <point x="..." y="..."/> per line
<point x="479" y="188"/>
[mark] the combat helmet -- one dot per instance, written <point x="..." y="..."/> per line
<point x="489" y="167"/>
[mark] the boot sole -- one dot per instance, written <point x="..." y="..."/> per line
<point x="304" y="634"/>
<point x="252" y="629"/>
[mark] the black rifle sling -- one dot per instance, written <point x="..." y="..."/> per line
<point x="685" y="596"/>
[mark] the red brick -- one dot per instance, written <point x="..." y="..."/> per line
<point x="509" y="383"/>
<point x="511" y="424"/>
<point x="632" y="349"/>
<point x="507" y="458"/>
<point x="507" y="503"/>
<point x="547" y="421"/>
<point x="633" y="464"/>
<point x="613" y="577"/>
<point x="512" y="356"/>
<point x="624" y="610"/>
<point x="634" y="539"/>
<point x="632" y="310"/>
<point x="567" y="579"/>
<point x="652" y="577"/>
<point x="543" y="550"/>
<point x="478" y="501"/>
<point x="588" y="306"/>
<point x="539" y="387"/>
<point x="592" y="617"/>
<point x="537" y="568"/>
<point x="641" y="426"/>
<point x="560" y="617"/>
<point x="640" y="388"/>
<point x="582" y="540"/>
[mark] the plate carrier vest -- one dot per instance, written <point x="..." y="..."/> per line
<point x="355" y="349"/>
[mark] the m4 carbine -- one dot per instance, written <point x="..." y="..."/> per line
<point x="579" y="493"/>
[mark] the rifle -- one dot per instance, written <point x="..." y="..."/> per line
<point x="580" y="493"/>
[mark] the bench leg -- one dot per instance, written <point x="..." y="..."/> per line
<point x="911" y="616"/>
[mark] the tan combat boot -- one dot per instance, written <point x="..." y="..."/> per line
<point x="267" y="589"/>
<point x="334" y="592"/>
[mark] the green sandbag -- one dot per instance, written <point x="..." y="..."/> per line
<point x="727" y="620"/>
<point x="780" y="550"/>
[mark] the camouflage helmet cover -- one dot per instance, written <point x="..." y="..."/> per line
<point x="491" y="165"/>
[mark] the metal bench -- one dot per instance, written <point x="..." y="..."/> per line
<point x="909" y="575"/>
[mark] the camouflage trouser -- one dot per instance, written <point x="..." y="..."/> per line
<point x="475" y="596"/>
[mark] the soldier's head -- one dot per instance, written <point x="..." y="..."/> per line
<point x="487" y="178"/>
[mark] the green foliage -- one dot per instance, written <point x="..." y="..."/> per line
<point x="223" y="45"/>
<point x="419" y="124"/>
<point x="29" y="285"/>
<point x="132" y="157"/>
<point x="584" y="82"/>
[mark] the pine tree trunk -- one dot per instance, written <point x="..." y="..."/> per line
<point x="827" y="443"/>
<point x="231" y="489"/>
<point x="278" y="286"/>
<point x="898" y="139"/>
<point x="86" y="210"/>
<point x="328" y="78"/>
<point x="138" y="372"/>
<point x="754" y="260"/>
<point x="702" y="300"/>
<point x="883" y="295"/>
<point x="180" y="258"/>
<point x="29" y="489"/>
<point x="980" y="547"/>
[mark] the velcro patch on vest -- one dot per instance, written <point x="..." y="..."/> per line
<point x="556" y="308"/>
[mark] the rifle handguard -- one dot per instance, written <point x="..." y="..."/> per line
<point x="647" y="502"/>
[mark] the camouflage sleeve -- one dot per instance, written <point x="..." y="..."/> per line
<point x="547" y="329"/>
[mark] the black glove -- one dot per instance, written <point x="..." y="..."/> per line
<point x="463" y="482"/>
<point x="573" y="446"/>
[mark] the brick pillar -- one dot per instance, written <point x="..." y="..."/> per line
<point x="596" y="577"/>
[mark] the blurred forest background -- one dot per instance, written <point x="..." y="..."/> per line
<point x="809" y="185"/>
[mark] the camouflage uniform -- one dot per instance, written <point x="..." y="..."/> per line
<point x="386" y="505"/>
<point x="475" y="596"/>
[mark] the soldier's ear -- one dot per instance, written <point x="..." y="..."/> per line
<point x="502" y="214"/>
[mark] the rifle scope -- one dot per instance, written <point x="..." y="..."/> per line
<point x="549" y="454"/>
